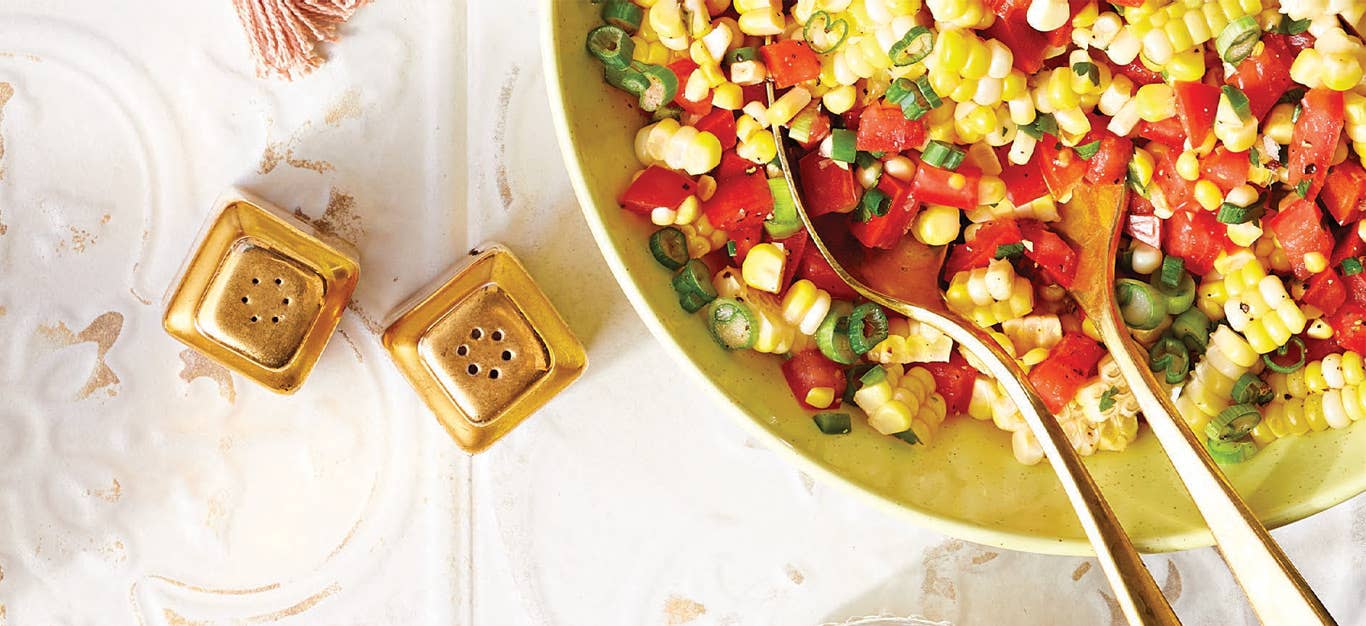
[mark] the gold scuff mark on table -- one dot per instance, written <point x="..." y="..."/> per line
<point x="112" y="494"/>
<point x="936" y="584"/>
<point x="984" y="557"/>
<point x="365" y="317"/>
<point x="339" y="219"/>
<point x="360" y="358"/>
<point x="3" y="311"/>
<point x="679" y="610"/>
<point x="27" y="56"/>
<point x="6" y="92"/>
<point x="795" y="575"/>
<point x="345" y="108"/>
<point x="80" y="239"/>
<point x="1116" y="613"/>
<point x="196" y="366"/>
<point x="500" y="137"/>
<point x="176" y="619"/>
<point x="102" y="332"/>
<point x="218" y="592"/>
<point x="283" y="151"/>
<point x="1081" y="570"/>
<point x="1172" y="586"/>
<point x="305" y="605"/>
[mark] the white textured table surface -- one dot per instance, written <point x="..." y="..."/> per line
<point x="139" y="485"/>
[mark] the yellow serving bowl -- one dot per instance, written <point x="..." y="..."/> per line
<point x="968" y="483"/>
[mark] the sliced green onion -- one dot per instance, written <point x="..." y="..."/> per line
<point x="670" y="247"/>
<point x="1088" y="150"/>
<point x="784" y="222"/>
<point x="1282" y="351"/>
<point x="913" y="108"/>
<point x="1351" y="266"/>
<point x="1132" y="180"/>
<point x="932" y="99"/>
<point x="732" y="249"/>
<point x="732" y="324"/>
<point x="899" y="90"/>
<point x="1088" y="70"/>
<point x="1176" y="286"/>
<point x="1173" y="270"/>
<point x="832" y="336"/>
<point x="1170" y="356"/>
<point x="799" y="129"/>
<point x="907" y="436"/>
<point x="1140" y="305"/>
<point x="828" y="26"/>
<point x="623" y="14"/>
<point x="627" y="79"/>
<point x="1043" y="124"/>
<point x="1249" y="389"/>
<point x="1233" y="423"/>
<point x="874" y="204"/>
<point x="1230" y="452"/>
<point x="942" y="155"/>
<point x="914" y="46"/>
<point x="1230" y="213"/>
<point x="1254" y="156"/>
<point x="853" y="374"/>
<point x="873" y="376"/>
<point x="1302" y="188"/>
<point x="611" y="45"/>
<point x="1238" y="100"/>
<point x="669" y="111"/>
<point x="1192" y="328"/>
<point x="1238" y="39"/>
<point x="843" y="145"/>
<point x="867" y="327"/>
<point x="1288" y="26"/>
<point x="662" y="90"/>
<point x="833" y="423"/>
<point x="865" y="160"/>
<point x="740" y="55"/>
<point x="693" y="284"/>
<point x="1010" y="250"/>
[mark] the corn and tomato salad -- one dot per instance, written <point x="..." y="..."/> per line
<point x="1238" y="128"/>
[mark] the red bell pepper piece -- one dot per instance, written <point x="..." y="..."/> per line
<point x="1325" y="291"/>
<point x="1297" y="43"/>
<point x="813" y="267"/>
<point x="795" y="246"/>
<point x="657" y="187"/>
<point x="1136" y="72"/>
<point x="1010" y="11"/>
<point x="1175" y="189"/>
<point x="1300" y="231"/>
<point x="720" y="123"/>
<point x="1225" y="168"/>
<point x="982" y="249"/>
<point x="739" y="198"/>
<point x="684" y="68"/>
<point x="1024" y="183"/>
<point x="1168" y="132"/>
<point x="1067" y="368"/>
<point x="754" y="93"/>
<point x="1263" y="78"/>
<point x="1196" y="103"/>
<point x="1110" y="163"/>
<point x="1349" y="326"/>
<point x="934" y="185"/>
<point x="1046" y="249"/>
<point x="810" y="369"/>
<point x="885" y="231"/>
<point x="1062" y="169"/>
<point x="790" y="62"/>
<point x="1195" y="237"/>
<point x="1314" y="140"/>
<point x="1344" y="193"/>
<point x="884" y="128"/>
<point x="954" y="381"/>
<point x="1348" y="245"/>
<point x="1026" y="43"/>
<point x="827" y="187"/>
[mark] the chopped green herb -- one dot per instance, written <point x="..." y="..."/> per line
<point x="1043" y="124"/>
<point x="1351" y="266"/>
<point x="1107" y="399"/>
<point x="1302" y="188"/>
<point x="1088" y="150"/>
<point x="1009" y="250"/>
<point x="1089" y="70"/>
<point x="1254" y="156"/>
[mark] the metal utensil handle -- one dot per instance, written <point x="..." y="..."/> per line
<point x="1274" y="588"/>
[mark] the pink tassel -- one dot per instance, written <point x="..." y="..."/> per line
<point x="283" y="34"/>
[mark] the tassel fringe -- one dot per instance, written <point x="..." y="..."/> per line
<point x="284" y="34"/>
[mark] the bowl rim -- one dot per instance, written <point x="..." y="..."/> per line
<point x="1198" y="537"/>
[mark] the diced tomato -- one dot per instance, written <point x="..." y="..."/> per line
<point x="1024" y="183"/>
<point x="1196" y="103"/>
<point x="720" y="123"/>
<point x="1225" y="168"/>
<point x="982" y="249"/>
<point x="1300" y="231"/>
<point x="755" y="93"/>
<point x="1128" y="3"/>
<point x="733" y="165"/>
<point x="884" y="231"/>
<point x="954" y="381"/>
<point x="1297" y="43"/>
<point x="1344" y="192"/>
<point x="1062" y="169"/>
<point x="1046" y="249"/>
<point x="820" y="129"/>
<point x="683" y="69"/>
<point x="746" y="233"/>
<point x="1175" y="189"/>
<point x="1348" y="245"/>
<point x="1168" y="132"/>
<point x="1195" y="237"/>
<point x="790" y="62"/>
<point x="657" y="187"/>
<point x="827" y="187"/>
<point x="814" y="268"/>
<point x="1026" y="43"/>
<point x="1314" y="140"/>
<point x="795" y="246"/>
<point x="1325" y="291"/>
<point x="810" y="370"/>
<point x="1263" y="78"/>
<point x="884" y="128"/>
<point x="934" y="185"/>
<point x="1062" y="35"/>
<point x="739" y="198"/>
<point x="1136" y="72"/>
<point x="1349" y="326"/>
<point x="1067" y="368"/>
<point x="1314" y="349"/>
<point x="1110" y="163"/>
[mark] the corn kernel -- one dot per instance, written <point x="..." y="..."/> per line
<point x="1188" y="165"/>
<point x="1315" y="262"/>
<point x="1207" y="194"/>
<point x="820" y="397"/>
<point x="763" y="267"/>
<point x="937" y="225"/>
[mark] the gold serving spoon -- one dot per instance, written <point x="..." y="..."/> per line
<point x="910" y="275"/>
<point x="1275" y="589"/>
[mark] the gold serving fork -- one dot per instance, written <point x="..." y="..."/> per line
<point x="1092" y="221"/>
<point x="908" y="280"/>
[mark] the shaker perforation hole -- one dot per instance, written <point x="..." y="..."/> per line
<point x="473" y="369"/>
<point x="462" y="350"/>
<point x="255" y="281"/>
<point x="493" y="374"/>
<point x="507" y="355"/>
<point x="497" y="335"/>
<point x="255" y="319"/>
<point x="275" y="319"/>
<point x="285" y="301"/>
<point x="477" y="334"/>
<point x="245" y="299"/>
<point x="279" y="281"/>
